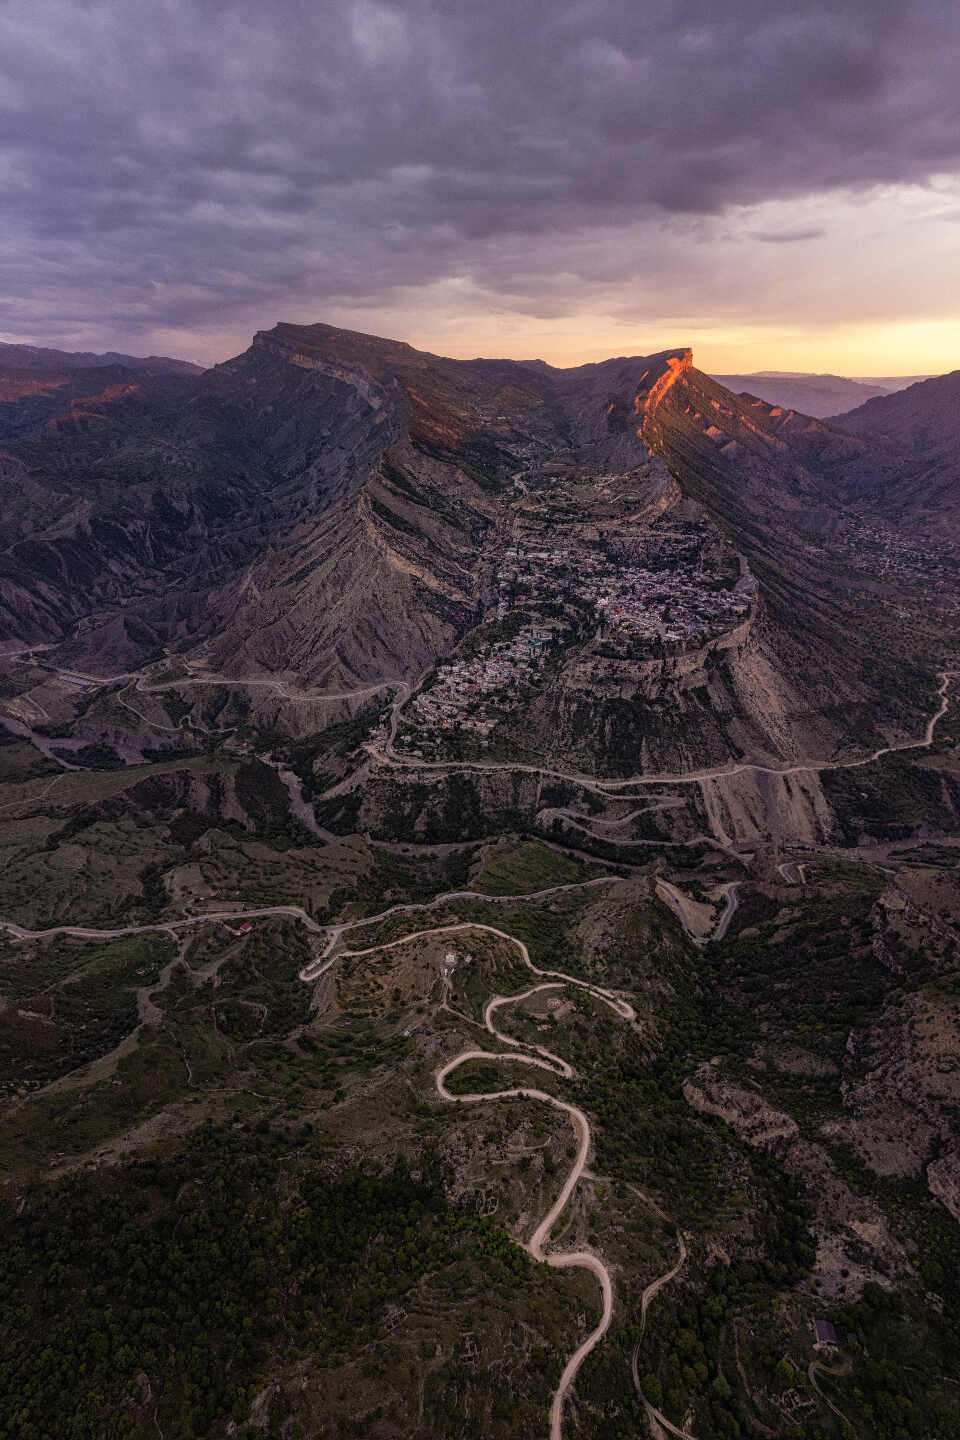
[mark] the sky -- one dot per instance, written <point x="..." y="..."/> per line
<point x="775" y="182"/>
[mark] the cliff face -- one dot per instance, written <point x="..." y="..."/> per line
<point x="768" y="479"/>
<point x="683" y="707"/>
<point x="331" y="511"/>
<point x="647" y="402"/>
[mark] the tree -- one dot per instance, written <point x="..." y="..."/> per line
<point x="653" y="1390"/>
<point x="785" y="1374"/>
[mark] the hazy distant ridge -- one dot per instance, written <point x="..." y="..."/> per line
<point x="38" y="357"/>
<point x="818" y="395"/>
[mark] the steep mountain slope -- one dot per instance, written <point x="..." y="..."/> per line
<point x="333" y="512"/>
<point x="915" y="436"/>
<point x="767" y="476"/>
<point x="371" y="708"/>
<point x="768" y="480"/>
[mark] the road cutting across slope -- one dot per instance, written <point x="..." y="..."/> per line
<point x="686" y="910"/>
<point x="542" y="1060"/>
<point x="334" y="932"/>
<point x="293" y="912"/>
<point x="383" y="753"/>
<point x="609" y="997"/>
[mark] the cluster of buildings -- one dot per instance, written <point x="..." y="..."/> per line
<point x="663" y="587"/>
<point x="902" y="556"/>
<point x="474" y="693"/>
<point x="642" y="586"/>
<point x="671" y="608"/>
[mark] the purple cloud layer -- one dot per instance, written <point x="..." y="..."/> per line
<point x="196" y="162"/>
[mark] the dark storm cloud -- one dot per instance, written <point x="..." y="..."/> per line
<point x="197" y="160"/>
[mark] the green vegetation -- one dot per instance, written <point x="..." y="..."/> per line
<point x="687" y="1360"/>
<point x="890" y="798"/>
<point x="165" y="1296"/>
<point x="68" y="1002"/>
<point x="96" y="757"/>
<point x="902" y="1357"/>
<point x="217" y="1207"/>
<point x="527" y="868"/>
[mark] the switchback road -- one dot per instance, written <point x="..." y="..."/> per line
<point x="542" y="1060"/>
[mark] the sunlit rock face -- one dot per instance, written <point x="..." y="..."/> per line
<point x="335" y="512"/>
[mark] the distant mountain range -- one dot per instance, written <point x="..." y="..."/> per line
<point x="38" y="385"/>
<point x="817" y="395"/>
<point x="38" y="357"/>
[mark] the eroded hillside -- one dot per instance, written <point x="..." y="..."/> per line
<point x="478" y="924"/>
<point x="328" y="515"/>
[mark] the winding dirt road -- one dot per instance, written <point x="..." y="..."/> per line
<point x="83" y="932"/>
<point x="697" y="842"/>
<point x="842" y="1369"/>
<point x="383" y="753"/>
<point x="656" y="1417"/>
<point x="680" y="905"/>
<point x="140" y="682"/>
<point x="653" y="1289"/>
<point x="616" y="1002"/>
<point x="519" y="1054"/>
<point x="336" y="931"/>
<point x="542" y="1060"/>
<point x="381" y="750"/>
<point x="295" y="912"/>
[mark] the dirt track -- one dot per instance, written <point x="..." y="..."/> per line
<point x="657" y="1420"/>
<point x="383" y="753"/>
<point x="543" y="1060"/>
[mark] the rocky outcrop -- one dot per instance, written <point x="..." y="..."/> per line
<point x="753" y="807"/>
<point x="854" y="1243"/>
<point x="943" y="1178"/>
<point x="769" y="480"/>
<point x="326" y="511"/>
<point x="745" y="1111"/>
<point x="901" y="1091"/>
<point x="661" y="379"/>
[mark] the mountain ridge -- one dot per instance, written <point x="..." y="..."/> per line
<point x="913" y="435"/>
<point x="349" y="503"/>
<point x="820" y="395"/>
<point x="353" y="701"/>
<point x="19" y="355"/>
